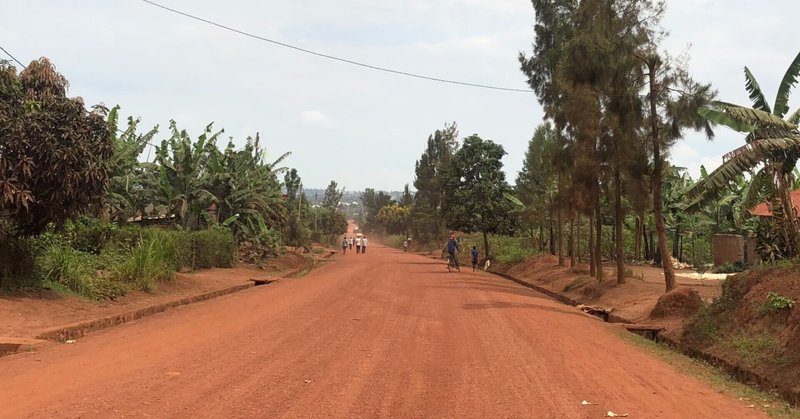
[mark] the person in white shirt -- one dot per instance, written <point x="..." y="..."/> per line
<point x="351" y="243"/>
<point x="364" y="245"/>
<point x="358" y="245"/>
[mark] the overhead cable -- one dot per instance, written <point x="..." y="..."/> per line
<point x="335" y="58"/>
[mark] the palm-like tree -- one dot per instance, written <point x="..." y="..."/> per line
<point x="772" y="142"/>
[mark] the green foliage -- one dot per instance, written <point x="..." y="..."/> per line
<point x="296" y="231"/>
<point x="68" y="267"/>
<point x="772" y="145"/>
<point x="127" y="190"/>
<point x="755" y="348"/>
<point x="729" y="268"/>
<point x="428" y="219"/>
<point x="475" y="188"/>
<point x="394" y="240"/>
<point x="53" y="153"/>
<point x="17" y="258"/>
<point x="373" y="204"/>
<point x="151" y="261"/>
<point x="395" y="219"/>
<point x="213" y="248"/>
<point x="88" y="235"/>
<point x="536" y="183"/>
<point x="705" y="328"/>
<point x="774" y="303"/>
<point x="511" y="249"/>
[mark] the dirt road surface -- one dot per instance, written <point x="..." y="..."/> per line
<point x="386" y="334"/>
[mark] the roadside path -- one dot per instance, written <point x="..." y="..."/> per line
<point x="376" y="335"/>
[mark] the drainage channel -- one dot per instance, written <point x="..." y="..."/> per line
<point x="652" y="332"/>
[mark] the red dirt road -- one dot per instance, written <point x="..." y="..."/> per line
<point x="386" y="334"/>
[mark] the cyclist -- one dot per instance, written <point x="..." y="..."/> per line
<point x="452" y="250"/>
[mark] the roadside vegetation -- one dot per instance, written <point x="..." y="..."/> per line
<point x="84" y="210"/>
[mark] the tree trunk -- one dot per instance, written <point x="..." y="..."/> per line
<point x="560" y="235"/>
<point x="572" y="242"/>
<point x="618" y="227"/>
<point x="552" y="243"/>
<point x="578" y="242"/>
<point x="561" y="188"/>
<point x="658" y="211"/>
<point x="789" y="227"/>
<point x="647" y="246"/>
<point x="598" y="241"/>
<point x="486" y="245"/>
<point x="676" y="241"/>
<point x="638" y="238"/>
<point x="592" y="264"/>
<point x="541" y="239"/>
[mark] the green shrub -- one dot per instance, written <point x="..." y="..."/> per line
<point x="394" y="240"/>
<point x="213" y="248"/>
<point x="68" y="267"/>
<point x="127" y="237"/>
<point x="705" y="327"/>
<point x="17" y="260"/>
<point x="729" y="268"/>
<point x="151" y="261"/>
<point x="509" y="249"/>
<point x="773" y="304"/>
<point x="89" y="235"/>
<point x="754" y="349"/>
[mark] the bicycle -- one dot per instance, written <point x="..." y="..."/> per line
<point x="452" y="262"/>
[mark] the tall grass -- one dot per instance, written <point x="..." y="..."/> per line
<point x="151" y="261"/>
<point x="505" y="249"/>
<point x="70" y="268"/>
<point x="394" y="240"/>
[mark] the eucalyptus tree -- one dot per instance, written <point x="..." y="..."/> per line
<point x="553" y="28"/>
<point x="428" y="220"/>
<point x="772" y="142"/>
<point x="537" y="187"/>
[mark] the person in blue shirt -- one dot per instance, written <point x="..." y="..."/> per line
<point x="452" y="249"/>
<point x="474" y="254"/>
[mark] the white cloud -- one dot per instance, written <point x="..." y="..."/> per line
<point x="161" y="66"/>
<point x="315" y="118"/>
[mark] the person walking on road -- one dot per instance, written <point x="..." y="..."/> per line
<point x="474" y="254"/>
<point x="364" y="245"/>
<point x="350" y="242"/>
<point x="452" y="249"/>
<point x="344" y="245"/>
<point x="358" y="245"/>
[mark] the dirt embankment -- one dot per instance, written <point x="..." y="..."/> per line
<point x="748" y="323"/>
<point x="28" y="314"/>
<point x="755" y="326"/>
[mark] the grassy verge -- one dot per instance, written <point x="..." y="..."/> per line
<point x="394" y="240"/>
<point x="720" y="381"/>
<point x="504" y="249"/>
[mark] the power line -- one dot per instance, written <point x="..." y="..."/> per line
<point x="331" y="57"/>
<point x="12" y="57"/>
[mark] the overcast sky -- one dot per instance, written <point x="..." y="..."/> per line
<point x="360" y="127"/>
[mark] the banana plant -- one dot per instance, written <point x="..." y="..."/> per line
<point x="772" y="145"/>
